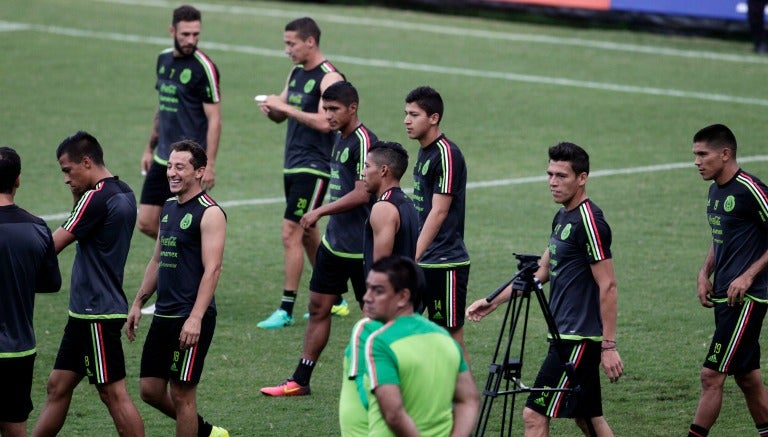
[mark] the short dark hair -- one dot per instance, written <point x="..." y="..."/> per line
<point x="10" y="169"/>
<point x="198" y="159"/>
<point x="572" y="153"/>
<point x="342" y="92"/>
<point x="716" y="136"/>
<point x="391" y="154"/>
<point x="304" y="28"/>
<point x="80" y="145"/>
<point x="428" y="99"/>
<point x="185" y="13"/>
<point x="402" y="273"/>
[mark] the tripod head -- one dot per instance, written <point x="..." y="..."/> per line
<point x="527" y="265"/>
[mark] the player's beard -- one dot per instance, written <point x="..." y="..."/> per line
<point x="180" y="49"/>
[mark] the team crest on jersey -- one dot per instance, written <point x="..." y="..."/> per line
<point x="309" y="85"/>
<point x="185" y="221"/>
<point x="729" y="204"/>
<point x="425" y="168"/>
<point x="185" y="76"/>
<point x="566" y="232"/>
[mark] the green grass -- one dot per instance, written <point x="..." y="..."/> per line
<point x="54" y="82"/>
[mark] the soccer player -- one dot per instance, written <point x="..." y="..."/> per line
<point x="737" y="209"/>
<point x="102" y="223"/>
<point x="28" y="265"/>
<point x="407" y="356"/>
<point x="439" y="188"/>
<point x="308" y="144"/>
<point x="189" y="108"/>
<point x="340" y="255"/>
<point x="184" y="271"/>
<point x="393" y="226"/>
<point x="582" y="297"/>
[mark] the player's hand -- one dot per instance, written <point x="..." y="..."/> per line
<point x="309" y="219"/>
<point x="479" y="309"/>
<point x="190" y="333"/>
<point x="612" y="364"/>
<point x="132" y="324"/>
<point x="209" y="179"/>
<point x="146" y="161"/>
<point x="738" y="288"/>
<point x="704" y="291"/>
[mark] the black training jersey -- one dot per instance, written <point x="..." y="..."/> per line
<point x="28" y="264"/>
<point x="307" y="150"/>
<point x="440" y="169"/>
<point x="102" y="221"/>
<point x="407" y="233"/>
<point x="181" y="260"/>
<point x="344" y="233"/>
<point x="738" y="215"/>
<point x="580" y="237"/>
<point x="183" y="85"/>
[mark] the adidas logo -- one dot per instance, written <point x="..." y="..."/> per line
<point x="712" y="358"/>
<point x="438" y="316"/>
<point x="174" y="368"/>
<point x="539" y="401"/>
<point x="165" y="219"/>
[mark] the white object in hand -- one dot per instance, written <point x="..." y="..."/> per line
<point x="260" y="98"/>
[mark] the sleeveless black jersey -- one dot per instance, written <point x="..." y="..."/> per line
<point x="738" y="216"/>
<point x="580" y="237"/>
<point x="344" y="232"/>
<point x="307" y="150"/>
<point x="102" y="221"/>
<point x="407" y="234"/>
<point x="28" y="265"/>
<point x="181" y="261"/>
<point x="440" y="169"/>
<point x="183" y="85"/>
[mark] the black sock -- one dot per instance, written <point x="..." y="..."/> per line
<point x="697" y="431"/>
<point x="203" y="428"/>
<point x="303" y="372"/>
<point x="762" y="429"/>
<point x="289" y="298"/>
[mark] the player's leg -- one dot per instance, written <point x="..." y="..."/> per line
<point x="751" y="384"/>
<point x="124" y="413"/>
<point x="598" y="425"/>
<point x="184" y="395"/>
<point x="446" y="298"/>
<point x="61" y="384"/>
<point x="154" y="193"/>
<point x="711" y="398"/>
<point x="536" y="424"/>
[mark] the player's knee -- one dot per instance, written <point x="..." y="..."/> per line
<point x="533" y="419"/>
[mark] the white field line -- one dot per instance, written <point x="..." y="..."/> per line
<point x="412" y="27"/>
<point x="408" y="66"/>
<point x="483" y="184"/>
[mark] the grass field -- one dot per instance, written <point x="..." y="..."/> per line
<point x="633" y="100"/>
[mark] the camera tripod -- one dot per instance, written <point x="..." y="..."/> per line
<point x="507" y="369"/>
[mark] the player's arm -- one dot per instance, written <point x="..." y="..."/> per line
<point x="482" y="307"/>
<point x="357" y="197"/>
<point x="314" y="120"/>
<point x="213" y="114"/>
<point x="146" y="157"/>
<point x="391" y="403"/>
<point x="385" y="222"/>
<point x="49" y="277"/>
<point x="739" y="286"/>
<point x="466" y="404"/>
<point x="605" y="277"/>
<point x="62" y="238"/>
<point x="703" y="282"/>
<point x="146" y="290"/>
<point x="213" y="230"/>
<point x="441" y="203"/>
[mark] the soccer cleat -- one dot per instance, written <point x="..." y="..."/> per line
<point x="341" y="310"/>
<point x="218" y="431"/>
<point x="278" y="319"/>
<point x="288" y="388"/>
<point x="148" y="309"/>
